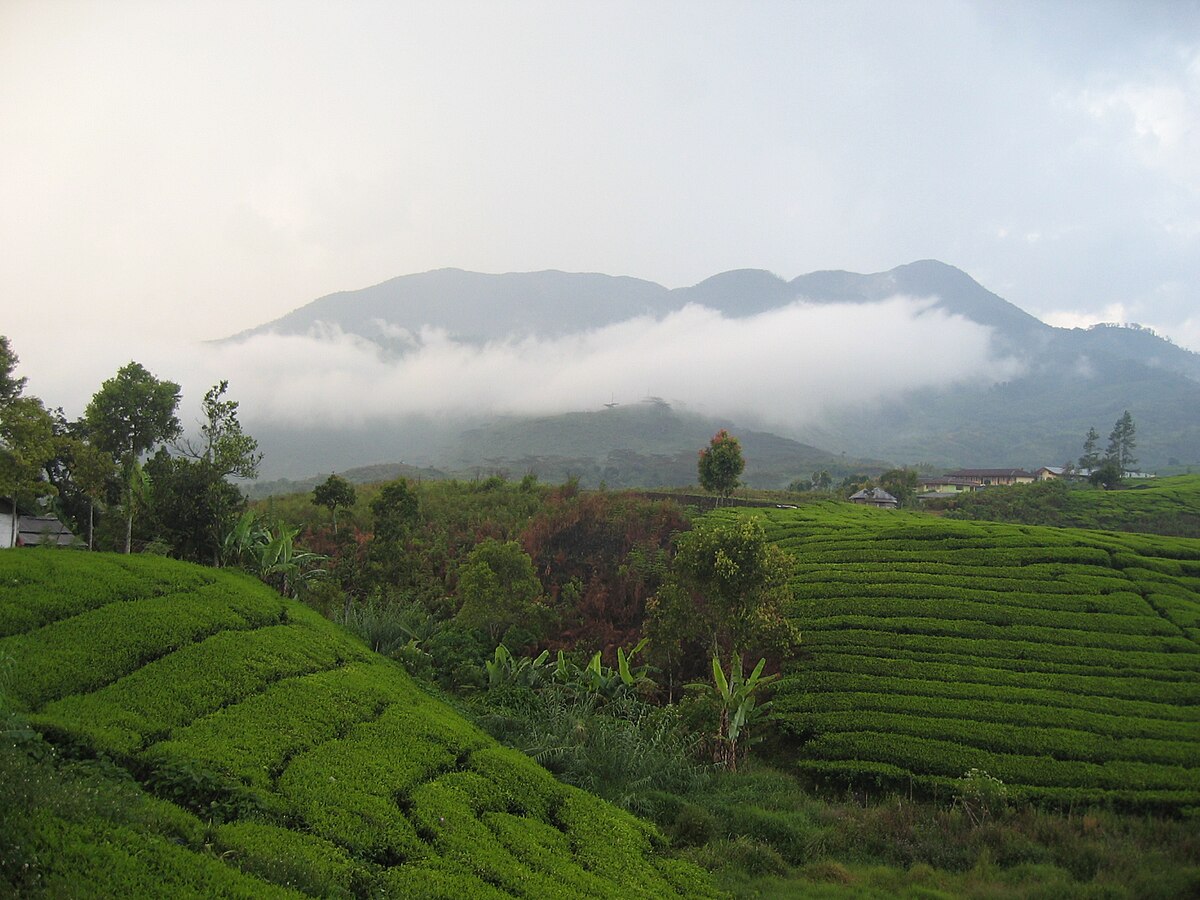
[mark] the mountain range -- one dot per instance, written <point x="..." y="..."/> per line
<point x="1061" y="382"/>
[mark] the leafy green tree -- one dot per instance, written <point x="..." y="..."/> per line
<point x="721" y="464"/>
<point x="1091" y="452"/>
<point x="190" y="509"/>
<point x="11" y="387"/>
<point x="223" y="451"/>
<point x="130" y="413"/>
<point x="497" y="589"/>
<point x="1121" y="444"/>
<point x="900" y="483"/>
<point x="726" y="591"/>
<point x="92" y="470"/>
<point x="1107" y="474"/>
<point x="333" y="492"/>
<point x="26" y="438"/>
<point x="396" y="510"/>
<point x="393" y="560"/>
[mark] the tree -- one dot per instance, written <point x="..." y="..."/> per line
<point x="333" y="492"/>
<point x="1091" y="451"/>
<point x="726" y="591"/>
<point x="1121" y="444"/>
<point x="396" y="510"/>
<point x="190" y="509"/>
<point x="499" y="589"/>
<point x="92" y="469"/>
<point x="26" y="439"/>
<point x="900" y="483"/>
<point x="1106" y="475"/>
<point x="130" y="413"/>
<point x="11" y="387"/>
<point x="721" y="464"/>
<point x="224" y="450"/>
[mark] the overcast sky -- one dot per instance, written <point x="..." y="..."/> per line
<point x="181" y="171"/>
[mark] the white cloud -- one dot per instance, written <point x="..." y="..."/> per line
<point x="1160" y="116"/>
<point x="783" y="367"/>
<point x="1075" y="318"/>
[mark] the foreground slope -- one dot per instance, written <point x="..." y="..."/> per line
<point x="292" y="757"/>
<point x="1064" y="662"/>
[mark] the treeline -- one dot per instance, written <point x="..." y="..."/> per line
<point x="97" y="474"/>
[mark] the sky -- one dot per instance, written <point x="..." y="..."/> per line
<point x="174" y="172"/>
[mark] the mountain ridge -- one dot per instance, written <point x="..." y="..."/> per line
<point x="1070" y="379"/>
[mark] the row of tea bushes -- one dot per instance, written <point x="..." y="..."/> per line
<point x="1064" y="662"/>
<point x="309" y="763"/>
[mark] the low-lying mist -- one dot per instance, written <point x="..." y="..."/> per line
<point x="780" y="370"/>
<point x="784" y="367"/>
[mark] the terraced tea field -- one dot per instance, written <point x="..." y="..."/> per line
<point x="1064" y="662"/>
<point x="1168" y="506"/>
<point x="271" y="754"/>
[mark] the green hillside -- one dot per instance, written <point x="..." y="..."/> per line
<point x="203" y="735"/>
<point x="1064" y="662"/>
<point x="1161" y="506"/>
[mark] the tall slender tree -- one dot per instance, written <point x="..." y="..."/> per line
<point x="1091" y="451"/>
<point x="130" y="413"/>
<point x="1121" y="444"/>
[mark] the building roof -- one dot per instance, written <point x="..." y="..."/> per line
<point x="34" y="530"/>
<point x="947" y="479"/>
<point x="990" y="473"/>
<point x="874" y="495"/>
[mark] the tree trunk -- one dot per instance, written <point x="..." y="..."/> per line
<point x="91" y="520"/>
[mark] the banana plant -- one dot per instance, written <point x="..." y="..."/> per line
<point x="738" y="708"/>
<point x="506" y="670"/>
<point x="270" y="552"/>
<point x="597" y="678"/>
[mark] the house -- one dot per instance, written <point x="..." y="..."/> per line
<point x="994" y="476"/>
<point x="875" y="497"/>
<point x="32" y="530"/>
<point x="947" y="485"/>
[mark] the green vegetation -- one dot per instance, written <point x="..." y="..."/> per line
<point x="207" y="735"/>
<point x="1168" y="506"/>
<point x="1064" y="663"/>
<point x="721" y="464"/>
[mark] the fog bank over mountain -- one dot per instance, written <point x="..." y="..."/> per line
<point x="783" y="367"/>
<point x="917" y="364"/>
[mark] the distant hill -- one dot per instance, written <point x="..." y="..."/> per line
<point x="1070" y="380"/>
<point x="647" y="444"/>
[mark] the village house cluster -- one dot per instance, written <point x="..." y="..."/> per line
<point x="968" y="480"/>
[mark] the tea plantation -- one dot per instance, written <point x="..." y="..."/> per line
<point x="174" y="729"/>
<point x="1064" y="662"/>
